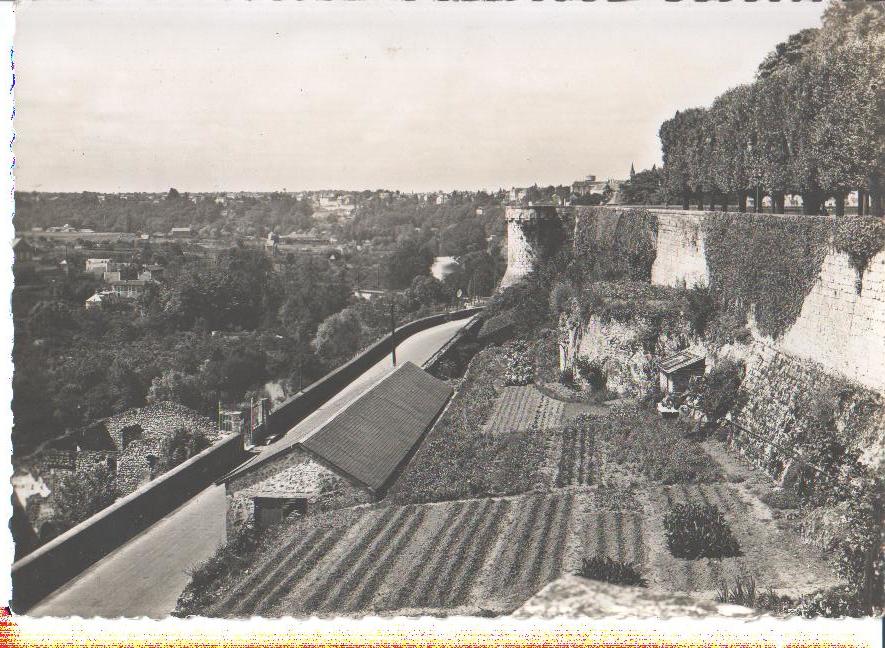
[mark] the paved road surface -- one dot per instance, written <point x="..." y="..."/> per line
<point x="145" y="576"/>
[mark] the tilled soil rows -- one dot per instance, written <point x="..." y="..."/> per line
<point x="419" y="557"/>
<point x="576" y="457"/>
<point x="523" y="408"/>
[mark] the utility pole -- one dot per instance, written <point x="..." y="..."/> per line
<point x="392" y="332"/>
<point x="300" y="364"/>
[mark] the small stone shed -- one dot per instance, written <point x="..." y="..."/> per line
<point x="351" y="459"/>
<point x="676" y="371"/>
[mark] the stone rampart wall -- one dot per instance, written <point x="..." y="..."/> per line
<point x="783" y="393"/>
<point x="842" y="322"/>
<point x="680" y="259"/>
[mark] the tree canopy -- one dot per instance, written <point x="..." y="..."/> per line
<point x="811" y="123"/>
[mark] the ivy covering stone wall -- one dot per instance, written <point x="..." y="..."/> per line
<point x="611" y="243"/>
<point x="765" y="261"/>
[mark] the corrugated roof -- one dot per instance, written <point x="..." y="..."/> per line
<point x="372" y="435"/>
<point x="679" y="360"/>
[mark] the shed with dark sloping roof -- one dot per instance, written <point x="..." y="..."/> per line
<point x="677" y="370"/>
<point x="351" y="458"/>
<point x="369" y="439"/>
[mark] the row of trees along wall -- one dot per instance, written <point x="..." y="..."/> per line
<point x="812" y="123"/>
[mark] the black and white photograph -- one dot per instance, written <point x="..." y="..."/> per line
<point x="390" y="309"/>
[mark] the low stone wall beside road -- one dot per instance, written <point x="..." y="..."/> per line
<point x="296" y="409"/>
<point x="55" y="563"/>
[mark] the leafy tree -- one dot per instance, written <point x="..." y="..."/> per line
<point x="339" y="336"/>
<point x="681" y="160"/>
<point x="242" y="368"/>
<point x="788" y="53"/>
<point x="408" y="260"/>
<point x="81" y="494"/>
<point x="126" y="385"/>
<point x="427" y="291"/>
<point x="813" y="122"/>
<point x="730" y="166"/>
<point x="176" y="386"/>
<point x="50" y="319"/>
<point x="644" y="188"/>
<point x="476" y="274"/>
<point x="852" y="19"/>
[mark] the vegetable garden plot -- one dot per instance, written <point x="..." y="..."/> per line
<point x="308" y="595"/>
<point x="413" y="557"/>
<point x="514" y="410"/>
<point x="523" y="408"/>
<point x="618" y="535"/>
<point x="549" y="414"/>
<point x="576" y="457"/>
<point x="442" y="560"/>
<point x="771" y="556"/>
<point x="532" y="548"/>
<point x="294" y="554"/>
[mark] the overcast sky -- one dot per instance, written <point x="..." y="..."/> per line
<point x="418" y="96"/>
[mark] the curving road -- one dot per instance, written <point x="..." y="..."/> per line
<point x="145" y="576"/>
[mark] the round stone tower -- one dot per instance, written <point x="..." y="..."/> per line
<point x="531" y="233"/>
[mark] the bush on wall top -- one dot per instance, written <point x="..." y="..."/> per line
<point x="623" y="301"/>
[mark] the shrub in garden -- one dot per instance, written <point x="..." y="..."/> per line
<point x="835" y="602"/>
<point x="592" y="371"/>
<point x="781" y="499"/>
<point x="699" y="531"/>
<point x="567" y="377"/>
<point x="611" y="571"/>
<point x="520" y="366"/>
<point x="719" y="393"/>
<point x="744" y="592"/>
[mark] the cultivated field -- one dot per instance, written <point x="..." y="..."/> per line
<point x="491" y="553"/>
<point x="488" y="556"/>
<point x="523" y="408"/>
<point x="510" y="498"/>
